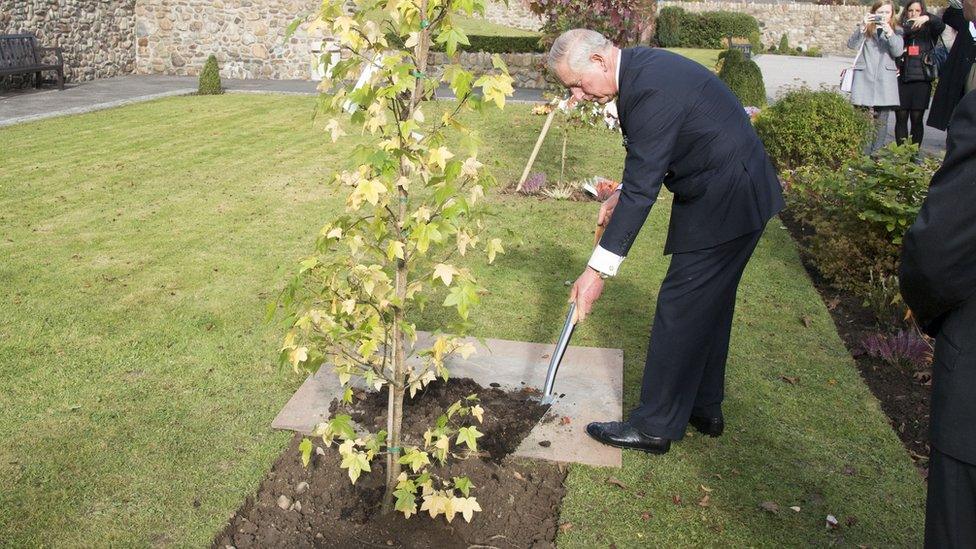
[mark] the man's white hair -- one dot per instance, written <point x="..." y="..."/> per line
<point x="575" y="47"/>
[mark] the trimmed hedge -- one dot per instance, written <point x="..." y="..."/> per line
<point x="677" y="28"/>
<point x="743" y="77"/>
<point x="499" y="44"/>
<point x="812" y="128"/>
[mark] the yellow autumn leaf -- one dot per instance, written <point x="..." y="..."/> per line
<point x="478" y="412"/>
<point x="394" y="250"/>
<point x="335" y="131"/>
<point x="471" y="166"/>
<point x="465" y="506"/>
<point x="445" y="272"/>
<point x="370" y="189"/>
<point x="297" y="356"/>
<point x="440" y="156"/>
<point x="494" y="246"/>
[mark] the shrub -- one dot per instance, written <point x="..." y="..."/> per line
<point x="534" y="183"/>
<point x="743" y="77"/>
<point x="678" y="28"/>
<point x="499" y="44"/>
<point x="669" y="26"/>
<point x="904" y="349"/>
<point x="210" y="78"/>
<point x="784" y="45"/>
<point x="806" y="127"/>
<point x="858" y="216"/>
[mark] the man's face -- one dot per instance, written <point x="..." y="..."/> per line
<point x="594" y="83"/>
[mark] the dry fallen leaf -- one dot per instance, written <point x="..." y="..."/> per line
<point x="518" y="476"/>
<point x="646" y="516"/>
<point x="833" y="303"/>
<point x="831" y="521"/>
<point x="704" y="501"/>
<point x="564" y="420"/>
<point x="769" y="506"/>
<point x="565" y="527"/>
<point x="792" y="380"/>
<point x="616" y="482"/>
<point x="806" y="320"/>
<point x="831" y="381"/>
<point x="704" y="488"/>
<point x="795" y="509"/>
<point x="676" y="499"/>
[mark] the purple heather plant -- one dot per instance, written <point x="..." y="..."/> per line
<point x="534" y="183"/>
<point x="905" y="348"/>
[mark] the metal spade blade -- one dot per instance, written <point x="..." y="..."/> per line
<point x="557" y="355"/>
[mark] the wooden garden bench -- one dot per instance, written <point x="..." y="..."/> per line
<point x="20" y="54"/>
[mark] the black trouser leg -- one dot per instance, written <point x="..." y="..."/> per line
<point x="950" y="510"/>
<point x="689" y="339"/>
<point x="901" y="125"/>
<point x="918" y="128"/>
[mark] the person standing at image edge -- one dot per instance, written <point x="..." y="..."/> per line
<point x="875" y="86"/>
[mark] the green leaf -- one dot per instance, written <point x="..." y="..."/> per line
<point x="464" y="485"/>
<point x="469" y="436"/>
<point x="356" y="462"/>
<point x="292" y="27"/>
<point x="415" y="459"/>
<point x="452" y="37"/>
<point x="342" y="426"/>
<point x="306" y="449"/>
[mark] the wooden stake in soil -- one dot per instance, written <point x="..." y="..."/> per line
<point x="535" y="151"/>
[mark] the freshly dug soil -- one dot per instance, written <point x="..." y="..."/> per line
<point x="904" y="394"/>
<point x="520" y="498"/>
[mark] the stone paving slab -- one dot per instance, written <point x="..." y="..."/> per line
<point x="589" y="388"/>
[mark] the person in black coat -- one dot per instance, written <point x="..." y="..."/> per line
<point x="921" y="31"/>
<point x="958" y="68"/>
<point x="682" y="127"/>
<point x="938" y="281"/>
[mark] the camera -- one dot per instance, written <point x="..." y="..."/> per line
<point x="875" y="19"/>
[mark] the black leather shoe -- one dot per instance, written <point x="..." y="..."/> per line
<point x="624" y="435"/>
<point x="711" y="426"/>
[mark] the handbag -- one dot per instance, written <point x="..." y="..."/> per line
<point x="847" y="75"/>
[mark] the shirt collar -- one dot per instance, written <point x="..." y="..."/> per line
<point x="616" y="76"/>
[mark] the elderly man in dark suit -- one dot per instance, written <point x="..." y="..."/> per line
<point x="682" y="127"/>
<point x="938" y="281"/>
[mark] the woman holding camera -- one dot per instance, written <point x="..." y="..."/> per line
<point x="875" y="85"/>
<point x="921" y="31"/>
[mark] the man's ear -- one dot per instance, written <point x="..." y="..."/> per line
<point x="601" y="59"/>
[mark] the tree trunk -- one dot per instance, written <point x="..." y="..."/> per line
<point x="397" y="389"/>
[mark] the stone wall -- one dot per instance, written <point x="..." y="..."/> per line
<point x="525" y="68"/>
<point x="806" y="25"/>
<point x="247" y="36"/>
<point x="514" y="15"/>
<point x="96" y="35"/>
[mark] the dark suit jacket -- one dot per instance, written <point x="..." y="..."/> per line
<point x="683" y="126"/>
<point x="952" y="82"/>
<point x="938" y="281"/>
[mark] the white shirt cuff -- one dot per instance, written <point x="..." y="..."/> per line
<point x="605" y="261"/>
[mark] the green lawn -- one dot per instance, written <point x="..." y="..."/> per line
<point x="139" y="245"/>
<point x="709" y="58"/>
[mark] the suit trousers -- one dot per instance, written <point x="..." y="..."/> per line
<point x="685" y="367"/>
<point x="950" y="512"/>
